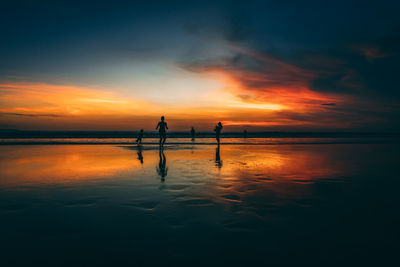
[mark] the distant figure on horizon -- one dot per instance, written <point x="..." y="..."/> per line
<point x="162" y="168"/>
<point x="162" y="130"/>
<point x="192" y="133"/>
<point x="245" y="133"/>
<point x="217" y="130"/>
<point x="140" y="136"/>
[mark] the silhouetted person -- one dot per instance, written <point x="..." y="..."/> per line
<point x="217" y="130"/>
<point x="245" y="134"/>
<point x="139" y="154"/>
<point x="218" y="161"/>
<point x="192" y="133"/>
<point x="162" y="130"/>
<point x="162" y="169"/>
<point x="139" y="137"/>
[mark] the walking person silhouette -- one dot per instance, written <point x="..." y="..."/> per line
<point x="162" y="130"/>
<point x="139" y="138"/>
<point x="217" y="130"/>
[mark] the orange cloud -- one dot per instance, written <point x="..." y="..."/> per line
<point x="38" y="99"/>
<point x="46" y="106"/>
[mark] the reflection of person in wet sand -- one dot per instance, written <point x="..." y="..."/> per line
<point x="162" y="168"/>
<point x="218" y="161"/>
<point x="192" y="133"/>
<point x="162" y="130"/>
<point x="218" y="129"/>
<point x="139" y="154"/>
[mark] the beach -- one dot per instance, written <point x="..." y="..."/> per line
<point x="199" y="204"/>
<point x="199" y="133"/>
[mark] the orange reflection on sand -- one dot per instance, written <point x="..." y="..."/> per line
<point x="282" y="161"/>
<point x="231" y="174"/>
<point x="285" y="172"/>
<point x="44" y="165"/>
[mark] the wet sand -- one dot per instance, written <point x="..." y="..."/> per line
<point x="86" y="205"/>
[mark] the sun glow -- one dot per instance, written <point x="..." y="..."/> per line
<point x="48" y="106"/>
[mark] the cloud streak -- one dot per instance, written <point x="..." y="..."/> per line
<point x="30" y="115"/>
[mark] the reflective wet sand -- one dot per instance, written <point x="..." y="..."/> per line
<point x="233" y="204"/>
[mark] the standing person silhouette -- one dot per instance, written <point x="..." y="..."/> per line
<point x="217" y="130"/>
<point x="162" y="130"/>
<point x="192" y="133"/>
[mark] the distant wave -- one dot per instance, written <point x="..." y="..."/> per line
<point x="14" y="134"/>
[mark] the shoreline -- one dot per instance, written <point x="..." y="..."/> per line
<point x="201" y="144"/>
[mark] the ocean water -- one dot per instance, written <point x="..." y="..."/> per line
<point x="253" y="204"/>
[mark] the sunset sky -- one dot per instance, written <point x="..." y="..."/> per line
<point x="260" y="65"/>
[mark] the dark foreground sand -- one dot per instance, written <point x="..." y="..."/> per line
<point x="86" y="205"/>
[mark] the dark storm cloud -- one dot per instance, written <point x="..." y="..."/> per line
<point x="346" y="48"/>
<point x="371" y="69"/>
